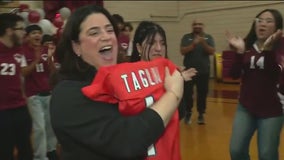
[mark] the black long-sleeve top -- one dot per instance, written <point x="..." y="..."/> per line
<point x="90" y="130"/>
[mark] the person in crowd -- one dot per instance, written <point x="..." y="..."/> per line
<point x="259" y="109"/>
<point x="88" y="129"/>
<point x="123" y="40"/>
<point x="38" y="91"/>
<point x="15" y="120"/>
<point x="50" y="43"/>
<point x="150" y="42"/>
<point x="196" y="47"/>
<point x="128" y="28"/>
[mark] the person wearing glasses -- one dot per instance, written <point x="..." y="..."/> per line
<point x="196" y="47"/>
<point x="15" y="120"/>
<point x="259" y="64"/>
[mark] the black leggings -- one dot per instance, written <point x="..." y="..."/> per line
<point x="15" y="131"/>
<point x="201" y="81"/>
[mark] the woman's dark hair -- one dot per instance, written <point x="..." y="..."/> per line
<point x="146" y="30"/>
<point x="118" y="18"/>
<point x="73" y="66"/>
<point x="251" y="36"/>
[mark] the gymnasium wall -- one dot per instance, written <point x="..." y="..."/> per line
<point x="176" y="17"/>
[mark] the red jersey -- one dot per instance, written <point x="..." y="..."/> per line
<point x="38" y="80"/>
<point x="136" y="86"/>
<point x="11" y="93"/>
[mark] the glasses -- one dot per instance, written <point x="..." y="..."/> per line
<point x="19" y="28"/>
<point x="261" y="20"/>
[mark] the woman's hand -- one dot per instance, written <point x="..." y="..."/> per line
<point x="168" y="103"/>
<point x="236" y="42"/>
<point x="272" y="39"/>
<point x="174" y="83"/>
<point x="51" y="50"/>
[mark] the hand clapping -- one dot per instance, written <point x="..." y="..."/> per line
<point x="236" y="42"/>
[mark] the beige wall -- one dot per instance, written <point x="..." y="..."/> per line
<point x="176" y="17"/>
<point x="6" y="7"/>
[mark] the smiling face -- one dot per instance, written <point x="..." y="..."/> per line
<point x="97" y="41"/>
<point x="264" y="26"/>
<point x="34" y="37"/>
<point x="152" y="47"/>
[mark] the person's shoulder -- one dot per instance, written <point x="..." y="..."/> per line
<point x="188" y="34"/>
<point x="68" y="86"/>
<point x="208" y="35"/>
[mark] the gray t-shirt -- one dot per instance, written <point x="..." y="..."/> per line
<point x="197" y="58"/>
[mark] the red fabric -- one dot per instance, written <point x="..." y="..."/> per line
<point x="136" y="86"/>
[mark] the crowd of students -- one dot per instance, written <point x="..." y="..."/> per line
<point x="27" y="60"/>
<point x="74" y="91"/>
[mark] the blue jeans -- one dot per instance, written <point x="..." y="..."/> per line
<point x="44" y="139"/>
<point x="268" y="135"/>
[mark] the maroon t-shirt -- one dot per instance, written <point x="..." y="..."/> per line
<point x="11" y="93"/>
<point x="260" y="73"/>
<point x="38" y="80"/>
<point x="123" y="41"/>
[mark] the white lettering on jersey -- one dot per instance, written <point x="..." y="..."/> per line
<point x="143" y="78"/>
<point x="7" y="69"/>
<point x="259" y="62"/>
<point x="124" y="76"/>
<point x="151" y="149"/>
<point x="149" y="101"/>
<point x="21" y="59"/>
<point x="156" y="75"/>
<point x="135" y="81"/>
<point x="44" y="57"/>
<point x="39" y="67"/>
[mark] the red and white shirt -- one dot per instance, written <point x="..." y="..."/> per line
<point x="136" y="86"/>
